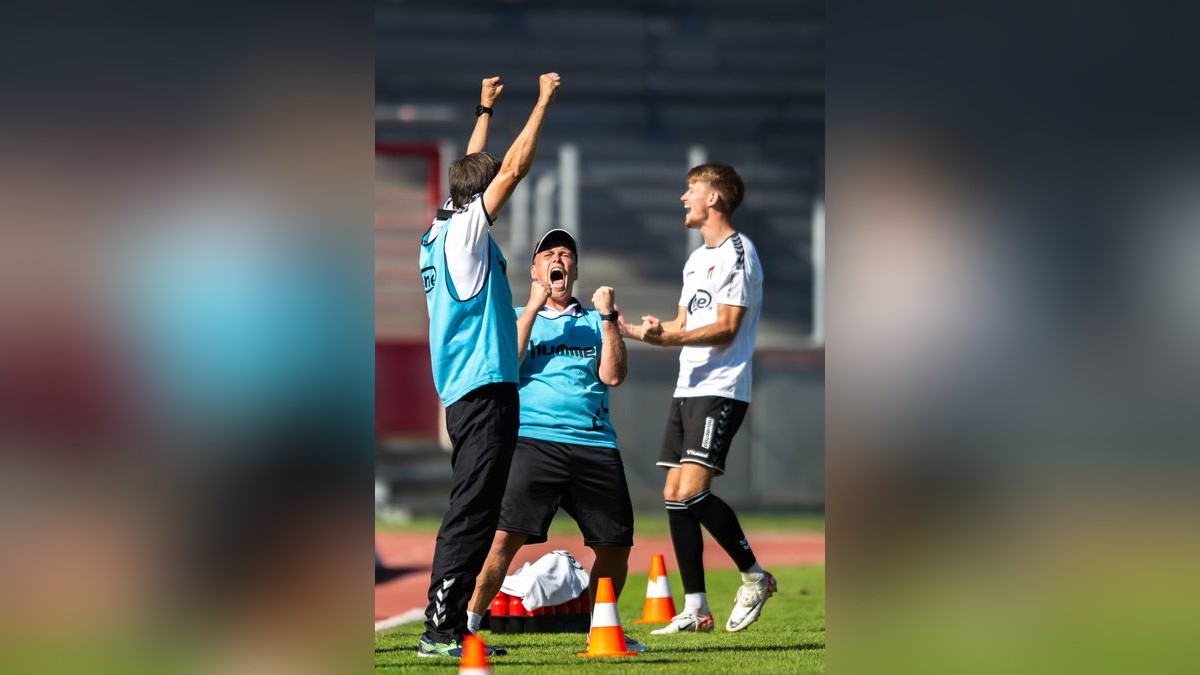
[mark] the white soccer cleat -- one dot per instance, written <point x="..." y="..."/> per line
<point x="750" y="599"/>
<point x="686" y="621"/>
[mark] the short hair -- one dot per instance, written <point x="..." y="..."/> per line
<point x="724" y="179"/>
<point x="470" y="175"/>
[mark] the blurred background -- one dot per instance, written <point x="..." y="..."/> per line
<point x="650" y="89"/>
<point x="185" y="337"/>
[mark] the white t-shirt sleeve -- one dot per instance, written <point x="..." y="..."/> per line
<point x="735" y="289"/>
<point x="467" y="248"/>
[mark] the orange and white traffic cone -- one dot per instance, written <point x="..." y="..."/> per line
<point x="474" y="658"/>
<point x="659" y="607"/>
<point x="606" y="637"/>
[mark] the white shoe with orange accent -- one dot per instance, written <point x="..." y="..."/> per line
<point x="686" y="621"/>
<point x="750" y="599"/>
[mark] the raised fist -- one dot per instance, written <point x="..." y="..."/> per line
<point x="548" y="84"/>
<point x="538" y="294"/>
<point x="492" y="88"/>
<point x="602" y="299"/>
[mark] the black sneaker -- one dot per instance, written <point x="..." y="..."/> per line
<point x="428" y="648"/>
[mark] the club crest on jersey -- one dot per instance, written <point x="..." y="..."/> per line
<point x="701" y="300"/>
<point x="429" y="277"/>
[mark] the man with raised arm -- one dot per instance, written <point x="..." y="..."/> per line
<point x="473" y="352"/>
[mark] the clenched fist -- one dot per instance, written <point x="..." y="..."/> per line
<point x="548" y="84"/>
<point x="538" y="294"/>
<point x="492" y="88"/>
<point x="651" y="330"/>
<point x="602" y="299"/>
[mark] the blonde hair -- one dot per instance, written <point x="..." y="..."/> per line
<point x="724" y="179"/>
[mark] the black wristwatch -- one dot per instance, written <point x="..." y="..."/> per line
<point x="481" y="109"/>
<point x="611" y="316"/>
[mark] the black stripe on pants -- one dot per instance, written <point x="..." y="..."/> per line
<point x="483" y="431"/>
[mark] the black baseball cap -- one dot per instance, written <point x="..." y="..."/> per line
<point x="556" y="237"/>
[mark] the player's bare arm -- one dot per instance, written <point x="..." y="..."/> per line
<point x="677" y="324"/>
<point x="651" y="325"/>
<point x="613" y="364"/>
<point x="519" y="158"/>
<point x="538" y="293"/>
<point x="492" y="88"/>
<point x="717" y="334"/>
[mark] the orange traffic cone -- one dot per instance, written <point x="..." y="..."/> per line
<point x="606" y="637"/>
<point x="659" y="607"/>
<point x="474" y="660"/>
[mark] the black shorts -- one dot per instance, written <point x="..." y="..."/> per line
<point x="699" y="430"/>
<point x="587" y="481"/>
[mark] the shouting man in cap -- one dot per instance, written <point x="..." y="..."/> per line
<point x="566" y="448"/>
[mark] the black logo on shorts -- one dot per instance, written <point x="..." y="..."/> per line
<point x="429" y="277"/>
<point x="701" y="300"/>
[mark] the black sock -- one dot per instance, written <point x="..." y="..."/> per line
<point x="689" y="546"/>
<point x="721" y="522"/>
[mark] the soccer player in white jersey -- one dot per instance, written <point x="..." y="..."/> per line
<point x="567" y="453"/>
<point x="716" y="327"/>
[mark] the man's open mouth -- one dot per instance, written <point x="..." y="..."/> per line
<point x="558" y="278"/>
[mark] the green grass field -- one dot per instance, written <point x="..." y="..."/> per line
<point x="789" y="637"/>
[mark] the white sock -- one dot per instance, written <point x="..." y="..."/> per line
<point x="753" y="574"/>
<point x="696" y="603"/>
<point x="473" y="621"/>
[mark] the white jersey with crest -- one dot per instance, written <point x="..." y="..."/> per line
<point x="726" y="274"/>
